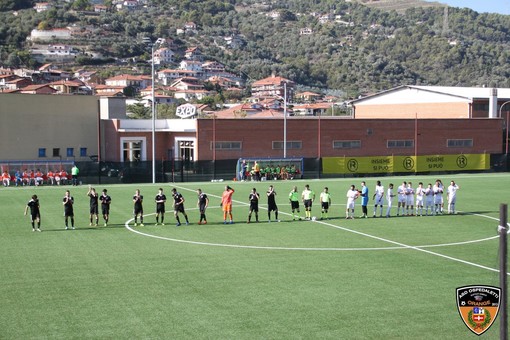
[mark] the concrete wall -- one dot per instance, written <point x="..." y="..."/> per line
<point x="30" y="122"/>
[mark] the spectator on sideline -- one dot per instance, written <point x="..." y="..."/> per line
<point x="203" y="203"/>
<point x="50" y="177"/>
<point x="68" y="203"/>
<point x="18" y="178"/>
<point x="179" y="206"/>
<point x="244" y="170"/>
<point x="160" y="200"/>
<point x="39" y="180"/>
<point x="105" y="206"/>
<point x="226" y="204"/>
<point x="26" y="177"/>
<point x="74" y="173"/>
<point x="6" y="178"/>
<point x="63" y="176"/>
<point x="138" y="207"/>
<point x="256" y="171"/>
<point x="35" y="212"/>
<point x="254" y="204"/>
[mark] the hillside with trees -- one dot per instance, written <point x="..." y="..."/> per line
<point x="321" y="44"/>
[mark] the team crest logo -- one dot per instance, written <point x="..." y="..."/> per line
<point x="478" y="306"/>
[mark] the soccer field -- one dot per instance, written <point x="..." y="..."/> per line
<point x="374" y="278"/>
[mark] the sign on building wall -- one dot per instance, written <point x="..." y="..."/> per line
<point x="392" y="164"/>
<point x="186" y="111"/>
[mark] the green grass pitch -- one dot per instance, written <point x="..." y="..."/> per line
<point x="372" y="278"/>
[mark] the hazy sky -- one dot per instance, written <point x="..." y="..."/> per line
<point x="490" y="6"/>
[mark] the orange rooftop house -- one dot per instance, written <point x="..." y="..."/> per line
<point x="272" y="87"/>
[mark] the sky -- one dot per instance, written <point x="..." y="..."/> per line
<point x="482" y="6"/>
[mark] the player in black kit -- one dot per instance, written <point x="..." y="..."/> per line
<point x="138" y="207"/>
<point x="203" y="202"/>
<point x="179" y="206"/>
<point x="35" y="212"/>
<point x="105" y="206"/>
<point x="160" y="206"/>
<point x="254" y="204"/>
<point x="271" y="203"/>
<point x="68" y="202"/>
<point x="94" y="208"/>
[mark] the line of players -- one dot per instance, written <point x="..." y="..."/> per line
<point x="412" y="202"/>
<point x="428" y="199"/>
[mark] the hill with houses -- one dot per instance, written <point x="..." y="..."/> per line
<point x="212" y="52"/>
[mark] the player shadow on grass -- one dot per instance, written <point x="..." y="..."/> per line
<point x="110" y="226"/>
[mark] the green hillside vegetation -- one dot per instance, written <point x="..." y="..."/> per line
<point x="358" y="49"/>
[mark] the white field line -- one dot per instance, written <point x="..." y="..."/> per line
<point x="397" y="245"/>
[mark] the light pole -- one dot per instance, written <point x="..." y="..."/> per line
<point x="284" y="120"/>
<point x="507" y="125"/>
<point x="153" y="102"/>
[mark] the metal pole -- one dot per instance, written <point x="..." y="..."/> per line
<point x="153" y="120"/>
<point x="503" y="229"/>
<point x="284" y="120"/>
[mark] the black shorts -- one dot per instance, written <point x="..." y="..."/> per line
<point x="202" y="208"/>
<point x="105" y="209"/>
<point x="307" y="203"/>
<point x="94" y="209"/>
<point x="272" y="207"/>
<point x="254" y="207"/>
<point x="179" y="208"/>
<point x="325" y="205"/>
<point x="35" y="216"/>
<point x="294" y="204"/>
<point x="68" y="213"/>
<point x="160" y="208"/>
<point x="138" y="211"/>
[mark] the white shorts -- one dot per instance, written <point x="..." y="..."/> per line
<point x="378" y="200"/>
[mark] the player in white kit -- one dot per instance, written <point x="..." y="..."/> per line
<point x="420" y="194"/>
<point x="378" y="198"/>
<point x="402" y="198"/>
<point x="452" y="197"/>
<point x="429" y="200"/>
<point x="389" y="199"/>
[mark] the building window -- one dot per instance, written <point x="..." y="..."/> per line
<point x="409" y="143"/>
<point x="70" y="152"/>
<point x="459" y="143"/>
<point x="42" y="152"/>
<point x="228" y="145"/>
<point x="278" y="145"/>
<point x="346" y="144"/>
<point x="83" y="152"/>
<point x="56" y="152"/>
<point x="132" y="150"/>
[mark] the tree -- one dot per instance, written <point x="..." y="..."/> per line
<point x="139" y="111"/>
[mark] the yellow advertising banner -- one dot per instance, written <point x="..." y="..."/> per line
<point x="392" y="164"/>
